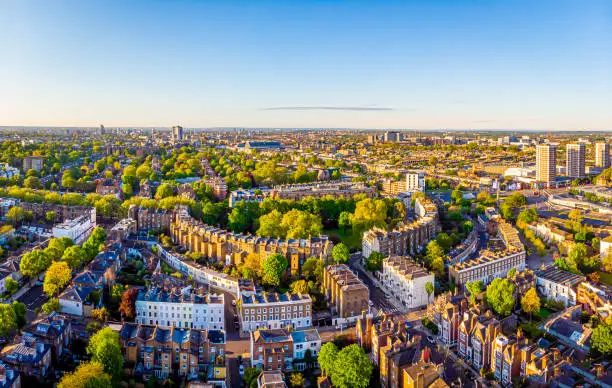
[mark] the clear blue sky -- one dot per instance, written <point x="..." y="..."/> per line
<point x="432" y="64"/>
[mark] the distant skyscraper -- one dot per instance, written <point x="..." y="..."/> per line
<point x="177" y="134"/>
<point x="574" y="162"/>
<point x="391" y="136"/>
<point x="546" y="163"/>
<point x="102" y="130"/>
<point x="415" y="181"/>
<point x="602" y="155"/>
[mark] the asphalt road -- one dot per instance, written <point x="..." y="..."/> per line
<point x="35" y="297"/>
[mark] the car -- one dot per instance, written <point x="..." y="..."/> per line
<point x="387" y="296"/>
<point x="241" y="370"/>
<point x="370" y="303"/>
<point x="431" y="338"/>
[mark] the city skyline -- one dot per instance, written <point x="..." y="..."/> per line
<point x="441" y="65"/>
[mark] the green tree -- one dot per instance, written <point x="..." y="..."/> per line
<point x="444" y="241"/>
<point x="309" y="267"/>
<point x="374" y="262"/>
<point x="270" y="225"/>
<point x="500" y="296"/>
<point x="250" y="377"/>
<point x="301" y="224"/>
<point x="429" y="288"/>
<point x="74" y="256"/>
<point x="297" y="380"/>
<point x="50" y="216"/>
<point x="340" y="253"/>
<point x="530" y="302"/>
<point x="87" y="375"/>
<point x="34" y="262"/>
<point x="344" y="221"/>
<point x="103" y="347"/>
<point x="8" y="319"/>
<point x="474" y="288"/>
<point x="52" y="305"/>
<point x="352" y="368"/>
<point x="20" y="314"/>
<point x="164" y="191"/>
<point x="437" y="266"/>
<point x="327" y="357"/>
<point x="299" y="286"/>
<point x="456" y="196"/>
<point x="274" y="268"/>
<point x="57" y="276"/>
<point x="11" y="285"/>
<point x="369" y="213"/>
<point x="601" y="339"/>
<point x="433" y="251"/>
<point x="15" y="215"/>
<point x="511" y="273"/>
<point x="32" y="182"/>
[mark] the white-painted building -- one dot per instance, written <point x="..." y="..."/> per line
<point x="415" y="181"/>
<point x="403" y="278"/>
<point x="271" y="310"/>
<point x="77" y="229"/>
<point x="604" y="245"/>
<point x="558" y="285"/>
<point x="183" y="309"/>
<point x="304" y="340"/>
<point x="198" y="272"/>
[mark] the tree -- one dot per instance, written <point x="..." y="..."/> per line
<point x="270" y="225"/>
<point x="50" y="216"/>
<point x="500" y="296"/>
<point x="368" y="213"/>
<point x="273" y="269"/>
<point x="52" y="305"/>
<point x="444" y="241"/>
<point x="601" y="339"/>
<point x="103" y="347"/>
<point x="164" y="191"/>
<point x="327" y="356"/>
<point x="606" y="261"/>
<point x="57" y="276"/>
<point x="374" y="262"/>
<point x="429" y="287"/>
<point x="127" y="307"/>
<point x="297" y="380"/>
<point x="309" y="267"/>
<point x="8" y="319"/>
<point x="456" y="196"/>
<point x="575" y="215"/>
<point x="511" y="273"/>
<point x="20" y="313"/>
<point x="87" y="375"/>
<point x="299" y="286"/>
<point x="301" y="224"/>
<point x="437" y="266"/>
<point x="341" y="254"/>
<point x="474" y="288"/>
<point x="433" y="251"/>
<point x="100" y="314"/>
<point x="32" y="182"/>
<point x="352" y="368"/>
<point x="530" y="302"/>
<point x="250" y="377"/>
<point x="34" y="262"/>
<point x="74" y="256"/>
<point x="11" y="285"/>
<point x="15" y="215"/>
<point x="344" y="221"/>
<point x="577" y="256"/>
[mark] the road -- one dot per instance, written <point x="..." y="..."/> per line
<point x="34" y="298"/>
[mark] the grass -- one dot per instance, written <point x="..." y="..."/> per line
<point x="605" y="278"/>
<point x="351" y="239"/>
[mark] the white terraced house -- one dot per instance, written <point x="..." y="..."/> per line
<point x="403" y="278"/>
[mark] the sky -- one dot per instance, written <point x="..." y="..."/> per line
<point x="307" y="64"/>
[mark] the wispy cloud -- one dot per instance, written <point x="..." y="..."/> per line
<point x="345" y="108"/>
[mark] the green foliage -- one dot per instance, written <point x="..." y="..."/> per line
<point x="352" y="368"/>
<point x="8" y="319"/>
<point x="274" y="268"/>
<point x="341" y="254"/>
<point x="87" y="375"/>
<point x="429" y="288"/>
<point x="369" y="213"/>
<point x="52" y="305"/>
<point x="500" y="296"/>
<point x="530" y="302"/>
<point x="374" y="262"/>
<point x="34" y="262"/>
<point x="12" y="286"/>
<point x="327" y="357"/>
<point x="103" y="347"/>
<point x="474" y="288"/>
<point x="601" y="339"/>
<point x="56" y="277"/>
<point x="444" y="241"/>
<point x="433" y="251"/>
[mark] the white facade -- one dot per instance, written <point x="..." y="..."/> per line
<point x="72" y="307"/>
<point x="604" y="245"/>
<point x="575" y="160"/>
<point x="602" y="155"/>
<point x="558" y="285"/>
<point x="77" y="229"/>
<point x="415" y="181"/>
<point x="183" y="315"/>
<point x="546" y="163"/>
<point x="200" y="273"/>
<point x="406" y="280"/>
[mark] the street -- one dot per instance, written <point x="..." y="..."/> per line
<point x="33" y="298"/>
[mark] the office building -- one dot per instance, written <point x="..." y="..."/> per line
<point x="546" y="163"/>
<point x="574" y="162"/>
<point x="177" y="134"/>
<point x="602" y="155"/>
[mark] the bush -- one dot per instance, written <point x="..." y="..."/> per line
<point x="430" y="325"/>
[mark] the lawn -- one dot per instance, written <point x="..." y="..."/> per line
<point x="351" y="239"/>
<point x="605" y="278"/>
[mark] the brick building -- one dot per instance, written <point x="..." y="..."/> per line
<point x="348" y="296"/>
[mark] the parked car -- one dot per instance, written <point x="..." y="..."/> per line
<point x="241" y="370"/>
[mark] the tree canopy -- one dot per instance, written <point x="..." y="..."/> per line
<point x="274" y="268"/>
<point x="500" y="296"/>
